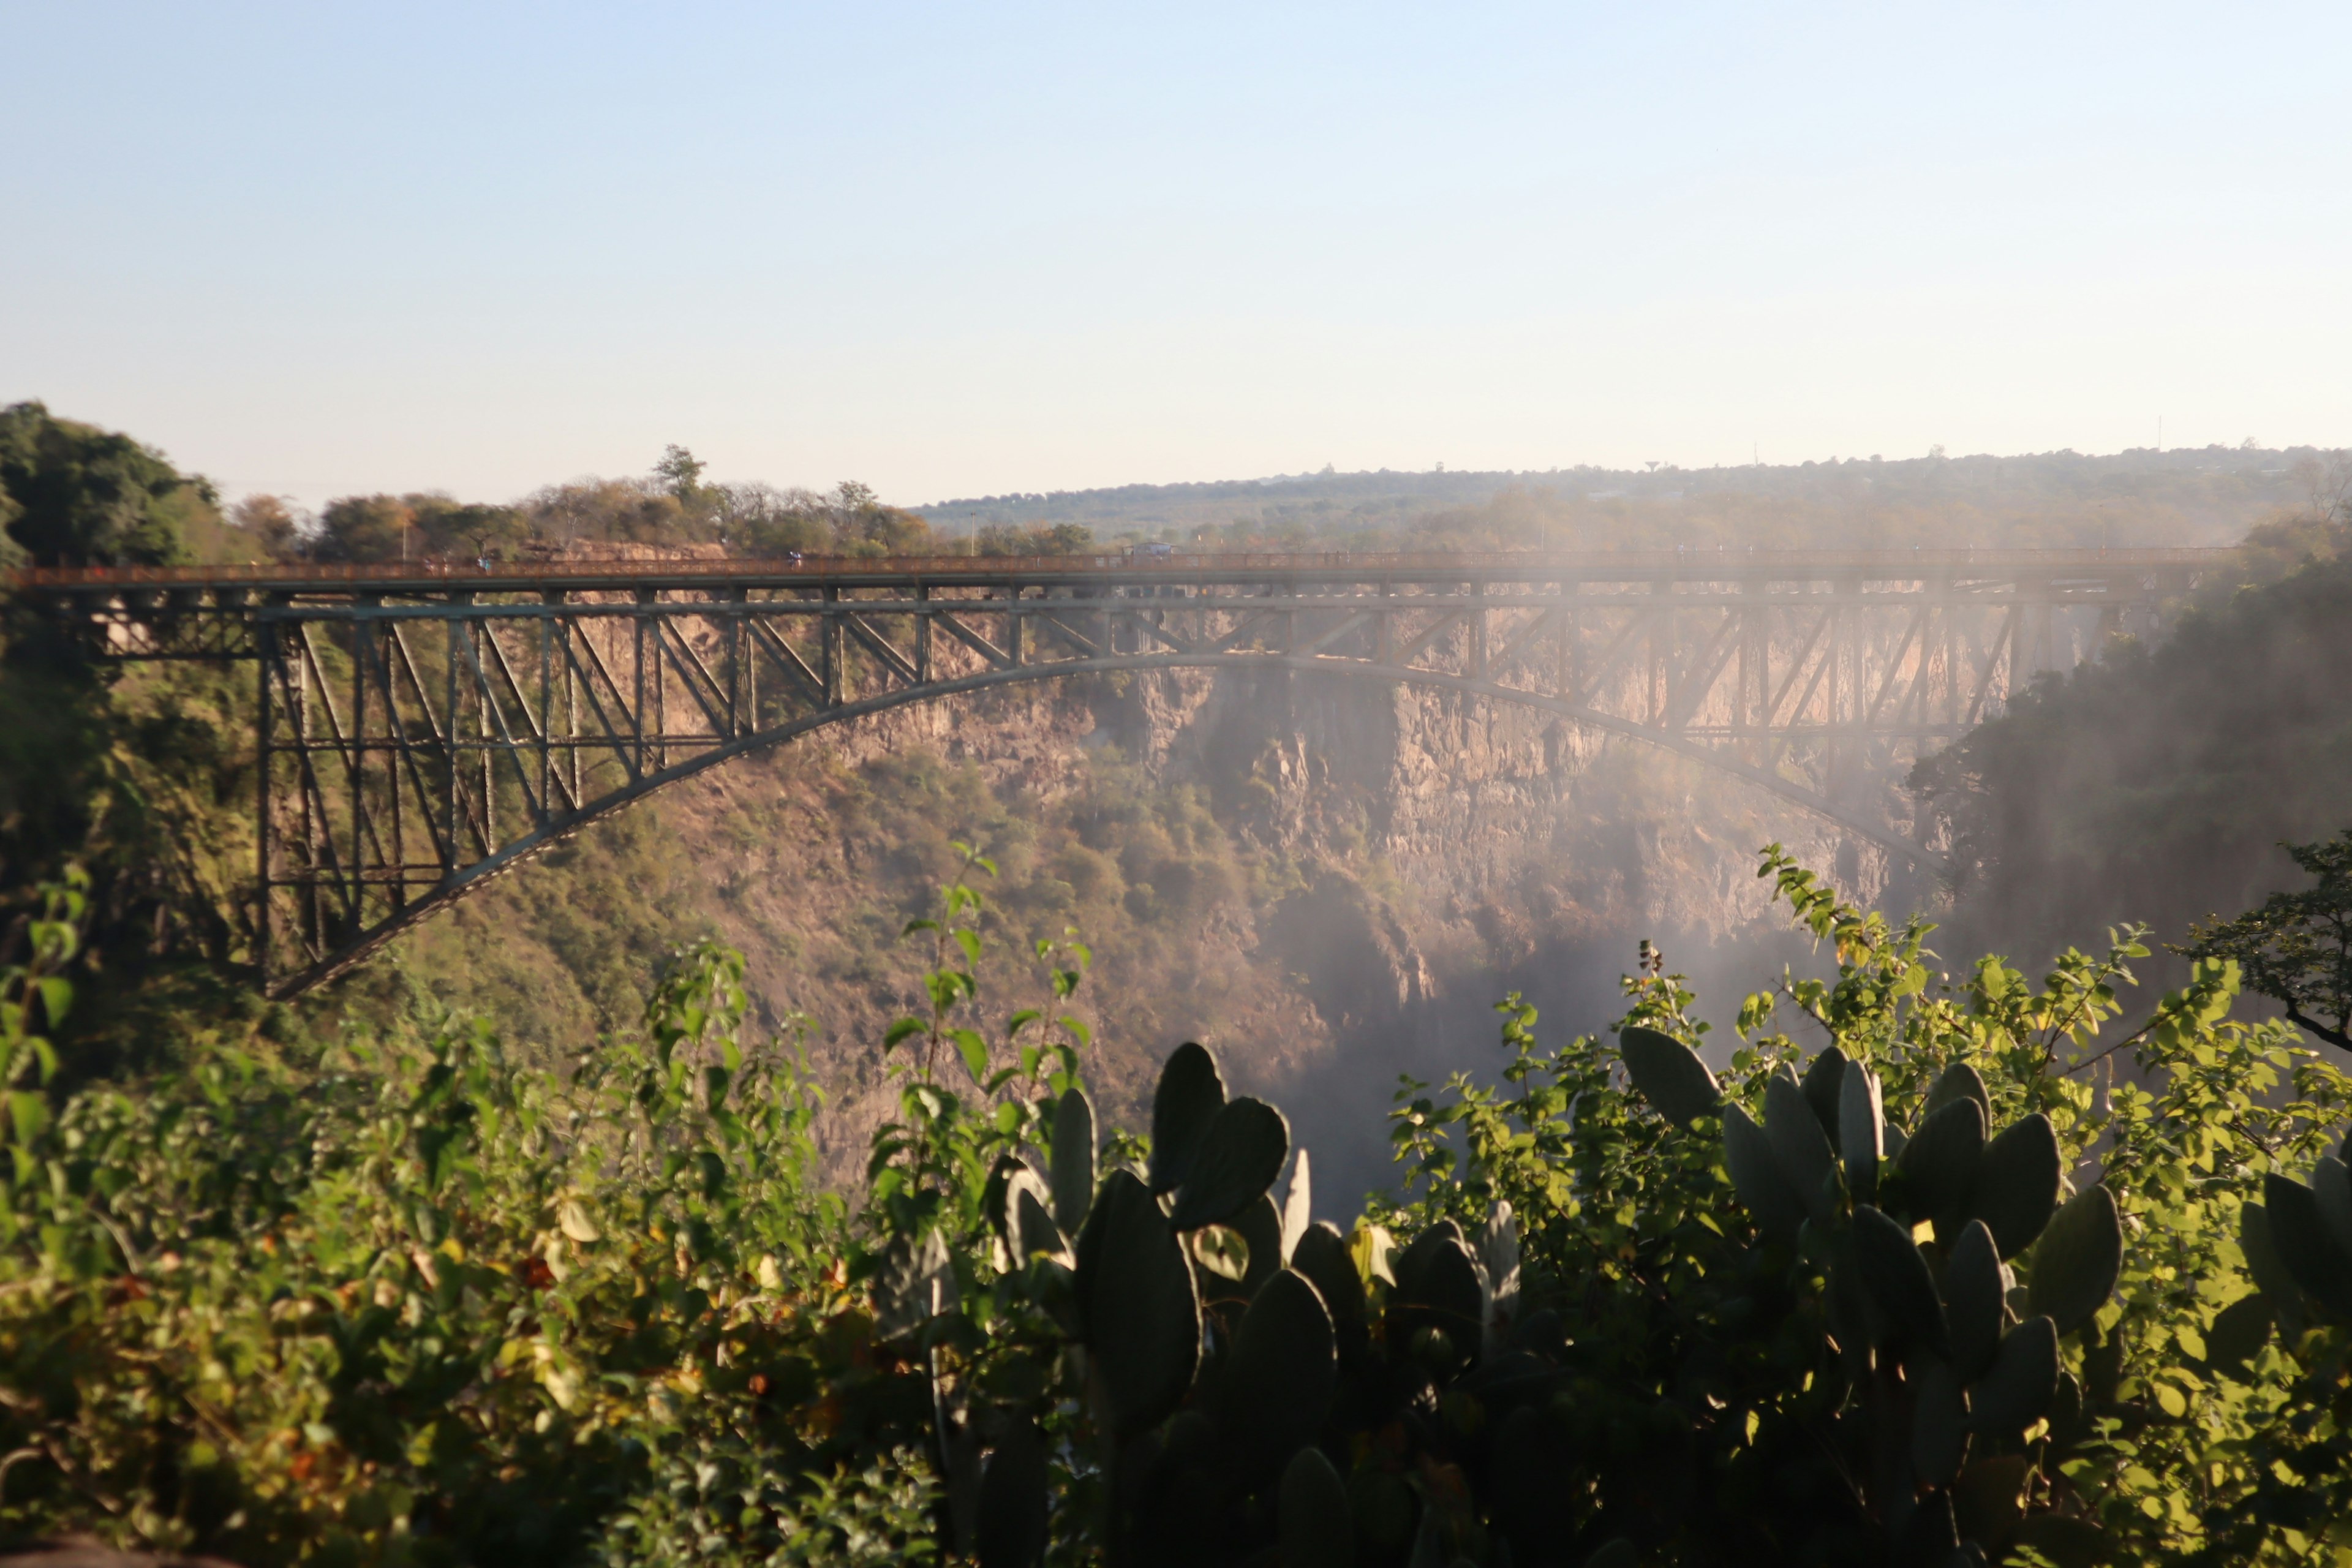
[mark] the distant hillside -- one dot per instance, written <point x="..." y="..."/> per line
<point x="2206" y="496"/>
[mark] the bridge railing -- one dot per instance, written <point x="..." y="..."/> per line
<point x="1190" y="564"/>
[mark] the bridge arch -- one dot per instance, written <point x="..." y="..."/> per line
<point x="422" y="728"/>
<point x="556" y="829"/>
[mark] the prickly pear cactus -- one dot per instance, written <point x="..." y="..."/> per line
<point x="1949" y="1361"/>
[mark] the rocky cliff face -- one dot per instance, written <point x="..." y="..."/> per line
<point x="1328" y="880"/>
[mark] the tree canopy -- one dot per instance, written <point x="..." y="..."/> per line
<point x="2297" y="947"/>
<point x="75" y="495"/>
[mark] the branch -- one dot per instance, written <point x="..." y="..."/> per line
<point x="1790" y="991"/>
<point x="2134" y="1037"/>
<point x="2336" y="1038"/>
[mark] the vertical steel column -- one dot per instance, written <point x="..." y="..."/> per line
<point x="922" y="637"/>
<point x="265" y="636"/>
<point x="455" y="751"/>
<point x="1661" y="630"/>
<point x="362" y="641"/>
<point x="549" y="599"/>
<point x="570" y="762"/>
<point x="395" y="750"/>
<point x="829" y="648"/>
<point x="1755" y="657"/>
<point x="475" y="632"/>
<point x="751" y="669"/>
<point x="1478" y="614"/>
<point x="1568" y="677"/>
<point x="314" y="924"/>
<point x="639" y="709"/>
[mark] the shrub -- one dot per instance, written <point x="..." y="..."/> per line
<point x="1944" y="1289"/>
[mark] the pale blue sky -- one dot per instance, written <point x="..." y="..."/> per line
<point x="954" y="250"/>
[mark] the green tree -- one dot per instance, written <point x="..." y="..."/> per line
<point x="681" y="471"/>
<point x="271" y="526"/>
<point x="864" y="526"/>
<point x="363" y="527"/>
<point x="1046" y="538"/>
<point x="2297" y="948"/>
<point x="448" y="527"/>
<point x="79" y="496"/>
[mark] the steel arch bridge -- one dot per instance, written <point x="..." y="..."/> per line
<point x="424" y="727"/>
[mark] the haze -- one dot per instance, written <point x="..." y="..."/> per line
<point x="953" y="251"/>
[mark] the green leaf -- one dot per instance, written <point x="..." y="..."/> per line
<point x="2236" y="1334"/>
<point x="1224" y="1253"/>
<point x="974" y="1051"/>
<point x="1297" y="1205"/>
<point x="1275" y="1387"/>
<point x="1137" y="1303"/>
<point x="2077" y="1259"/>
<point x="1073" y="1165"/>
<point x="1260" y="1226"/>
<point x="1959" y="1082"/>
<point x="1313" y="1524"/>
<point x="1938" y="1167"/>
<point x="1030" y="1227"/>
<point x="29" y="1112"/>
<point x="1189" y="1095"/>
<point x="968" y="940"/>
<point x="1321" y="1254"/>
<point x="1824" y="1086"/>
<point x="2068" y="1542"/>
<point x="1939" y="1425"/>
<point x="2331" y="1185"/>
<point x="1668" y="1074"/>
<point x="1974" y="1306"/>
<point x="1238" y="1157"/>
<point x="2277" y="1285"/>
<point x="1437" y="1287"/>
<point x="1862" y="1130"/>
<point x="901" y="1029"/>
<point x="2300" y="1235"/>
<point x="914" y="1284"/>
<point x="2016" y="1187"/>
<point x="1987" y="1499"/>
<point x="1800" y="1146"/>
<point x="1756" y="1176"/>
<point x="56" y="999"/>
<point x="2023" y="1380"/>
<point x="1010" y="1524"/>
<point x="1897" y="1277"/>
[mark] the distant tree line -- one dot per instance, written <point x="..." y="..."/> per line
<point x="673" y="507"/>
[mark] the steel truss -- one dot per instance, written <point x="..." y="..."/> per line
<point x="422" y="732"/>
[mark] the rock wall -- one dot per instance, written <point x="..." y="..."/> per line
<point x="1393" y="861"/>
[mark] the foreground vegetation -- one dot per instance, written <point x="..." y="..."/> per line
<point x="410" y="1301"/>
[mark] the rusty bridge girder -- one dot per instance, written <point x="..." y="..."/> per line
<point x="423" y="729"/>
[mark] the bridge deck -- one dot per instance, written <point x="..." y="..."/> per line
<point x="435" y="577"/>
